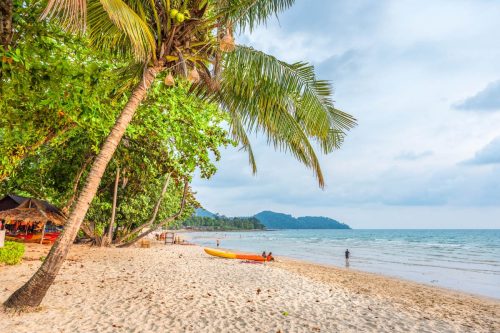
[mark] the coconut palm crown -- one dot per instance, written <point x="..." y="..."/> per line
<point x="194" y="39"/>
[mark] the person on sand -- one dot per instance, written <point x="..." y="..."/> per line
<point x="347" y="256"/>
<point x="218" y="242"/>
<point x="264" y="255"/>
<point x="270" y="257"/>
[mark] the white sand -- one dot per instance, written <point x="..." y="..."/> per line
<point x="181" y="289"/>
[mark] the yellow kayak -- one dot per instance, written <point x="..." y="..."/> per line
<point x="219" y="253"/>
<point x="242" y="256"/>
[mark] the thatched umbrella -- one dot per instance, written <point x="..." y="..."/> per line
<point x="33" y="211"/>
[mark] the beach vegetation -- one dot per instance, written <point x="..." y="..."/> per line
<point x="12" y="253"/>
<point x="257" y="92"/>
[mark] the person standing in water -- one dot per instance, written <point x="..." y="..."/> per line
<point x="347" y="256"/>
<point x="217" y="242"/>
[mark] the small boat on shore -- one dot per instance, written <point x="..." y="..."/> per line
<point x="231" y="255"/>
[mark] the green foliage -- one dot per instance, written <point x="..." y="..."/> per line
<point x="223" y="223"/>
<point x="173" y="133"/>
<point x="53" y="87"/>
<point x="12" y="253"/>
<point x="60" y="99"/>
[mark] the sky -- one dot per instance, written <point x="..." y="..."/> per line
<point x="423" y="81"/>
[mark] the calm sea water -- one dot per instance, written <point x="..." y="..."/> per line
<point x="466" y="260"/>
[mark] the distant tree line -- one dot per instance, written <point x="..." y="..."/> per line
<point x="222" y="223"/>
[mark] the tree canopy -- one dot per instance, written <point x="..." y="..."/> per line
<point x="59" y="100"/>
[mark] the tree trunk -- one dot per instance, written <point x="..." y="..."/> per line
<point x="32" y="292"/>
<point x="6" y="31"/>
<point x="76" y="182"/>
<point x="155" y="210"/>
<point x="167" y="220"/>
<point x="109" y="237"/>
<point x="86" y="228"/>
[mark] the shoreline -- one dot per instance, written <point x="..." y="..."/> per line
<point x="398" y="289"/>
<point x="395" y="279"/>
<point x="462" y="264"/>
<point x="181" y="289"/>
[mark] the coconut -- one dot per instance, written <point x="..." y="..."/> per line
<point x="173" y="13"/>
<point x="179" y="17"/>
<point x="193" y="76"/>
<point x="169" y="80"/>
<point x="227" y="43"/>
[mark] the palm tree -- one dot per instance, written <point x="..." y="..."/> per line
<point x="193" y="39"/>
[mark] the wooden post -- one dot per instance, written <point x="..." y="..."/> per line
<point x="43" y="232"/>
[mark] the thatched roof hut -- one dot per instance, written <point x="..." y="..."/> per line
<point x="33" y="210"/>
<point x="13" y="201"/>
<point x="29" y="212"/>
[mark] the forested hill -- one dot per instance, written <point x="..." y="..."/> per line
<point x="267" y="219"/>
<point x="222" y="223"/>
<point x="204" y="213"/>
<point x="274" y="220"/>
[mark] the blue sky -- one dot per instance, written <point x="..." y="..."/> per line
<point x="423" y="80"/>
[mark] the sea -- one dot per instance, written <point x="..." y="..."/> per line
<point x="463" y="260"/>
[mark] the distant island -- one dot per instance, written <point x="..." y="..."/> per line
<point x="203" y="219"/>
<point x="274" y="220"/>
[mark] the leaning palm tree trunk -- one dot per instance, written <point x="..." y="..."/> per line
<point x="32" y="292"/>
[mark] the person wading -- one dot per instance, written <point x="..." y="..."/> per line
<point x="347" y="256"/>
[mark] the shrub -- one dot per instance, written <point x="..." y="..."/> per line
<point x="11" y="253"/>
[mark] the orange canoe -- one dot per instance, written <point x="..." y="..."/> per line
<point x="254" y="257"/>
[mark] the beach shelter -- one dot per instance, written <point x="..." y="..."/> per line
<point x="11" y="201"/>
<point x="32" y="212"/>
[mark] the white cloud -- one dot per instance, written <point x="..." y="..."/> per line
<point x="487" y="99"/>
<point x="398" y="66"/>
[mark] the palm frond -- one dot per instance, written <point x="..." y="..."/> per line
<point x="104" y="34"/>
<point x="282" y="130"/>
<point x="341" y="120"/>
<point x="131" y="31"/>
<point x="239" y="135"/>
<point x="333" y="141"/>
<point x="285" y="102"/>
<point x="72" y="13"/>
<point x="293" y="86"/>
<point x="250" y="13"/>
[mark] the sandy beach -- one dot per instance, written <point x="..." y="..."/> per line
<point x="181" y="289"/>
